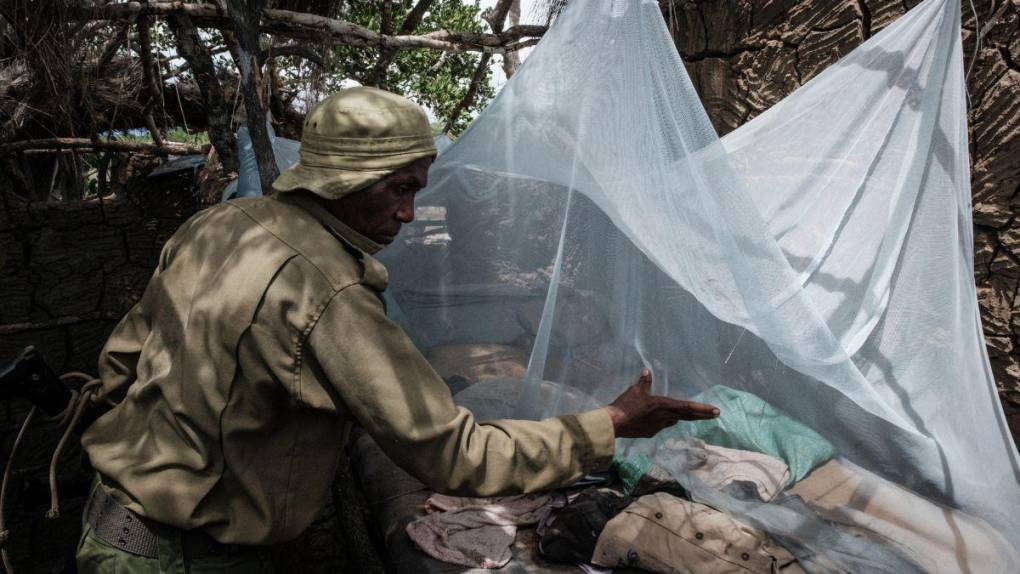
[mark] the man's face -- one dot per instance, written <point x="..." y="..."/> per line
<point x="378" y="211"/>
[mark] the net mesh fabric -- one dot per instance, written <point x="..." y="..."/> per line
<point x="819" y="258"/>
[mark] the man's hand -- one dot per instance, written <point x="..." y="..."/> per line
<point x="639" y="414"/>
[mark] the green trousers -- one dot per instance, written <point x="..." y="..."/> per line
<point x="96" y="556"/>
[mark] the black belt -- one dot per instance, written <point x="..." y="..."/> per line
<point x="123" y="529"/>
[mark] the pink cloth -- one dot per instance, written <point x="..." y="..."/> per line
<point x="475" y="532"/>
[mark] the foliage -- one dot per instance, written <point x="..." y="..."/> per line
<point x="435" y="80"/>
<point x="74" y="76"/>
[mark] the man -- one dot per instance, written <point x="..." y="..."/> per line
<point x="261" y="338"/>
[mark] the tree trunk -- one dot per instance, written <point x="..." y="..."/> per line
<point x="511" y="60"/>
<point x="191" y="48"/>
<point x="246" y="16"/>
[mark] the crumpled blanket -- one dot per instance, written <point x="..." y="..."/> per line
<point x="749" y="423"/>
<point x="475" y="532"/>
<point x="742" y="473"/>
<point x="725" y="468"/>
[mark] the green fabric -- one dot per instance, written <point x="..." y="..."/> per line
<point x="98" y="557"/>
<point x="747" y="422"/>
<point x="354" y="138"/>
<point x="630" y="470"/>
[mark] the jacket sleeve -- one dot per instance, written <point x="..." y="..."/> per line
<point x="118" y="361"/>
<point x="394" y="393"/>
<point x="119" y="357"/>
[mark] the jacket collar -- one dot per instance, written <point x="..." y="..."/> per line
<point x="313" y="206"/>
<point x="374" y="272"/>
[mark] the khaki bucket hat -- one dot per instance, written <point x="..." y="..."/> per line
<point x="355" y="138"/>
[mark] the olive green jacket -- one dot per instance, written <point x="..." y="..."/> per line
<point x="260" y="339"/>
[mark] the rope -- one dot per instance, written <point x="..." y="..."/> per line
<point x="974" y="56"/>
<point x="69" y="417"/>
<point x="83" y="399"/>
<point x="4" y="532"/>
<point x="977" y="41"/>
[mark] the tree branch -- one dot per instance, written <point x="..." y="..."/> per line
<point x="310" y="26"/>
<point x="295" y="50"/>
<point x="386" y="21"/>
<point x="191" y="48"/>
<point x="386" y="55"/>
<point x="187" y="66"/>
<point x="495" y="19"/>
<point x="111" y="47"/>
<point x="246" y="15"/>
<point x="511" y="60"/>
<point x="469" y="96"/>
<point x="168" y="148"/>
<point x="149" y="78"/>
<point x="497" y="16"/>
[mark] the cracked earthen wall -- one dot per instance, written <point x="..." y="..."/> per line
<point x="743" y="56"/>
<point x="68" y="272"/>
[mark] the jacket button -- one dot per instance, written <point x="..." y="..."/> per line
<point x="699" y="536"/>
<point x="745" y="556"/>
<point x="658" y="515"/>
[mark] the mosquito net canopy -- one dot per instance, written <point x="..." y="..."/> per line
<point x="810" y="273"/>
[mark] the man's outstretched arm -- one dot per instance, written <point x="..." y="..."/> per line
<point x="386" y="384"/>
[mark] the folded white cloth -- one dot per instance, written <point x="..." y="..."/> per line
<point x="725" y="468"/>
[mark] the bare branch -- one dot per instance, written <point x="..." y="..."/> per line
<point x="386" y="22"/>
<point x="386" y="55"/>
<point x="295" y="50"/>
<point x="469" y="96"/>
<point x="187" y="65"/>
<point x="191" y="48"/>
<point x="497" y="16"/>
<point x="495" y="19"/>
<point x="415" y="16"/>
<point x="168" y="148"/>
<point x="246" y="14"/>
<point x="111" y="47"/>
<point x="511" y="60"/>
<point x="310" y="26"/>
<point x="149" y="77"/>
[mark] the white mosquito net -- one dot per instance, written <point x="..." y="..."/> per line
<point x="810" y="273"/>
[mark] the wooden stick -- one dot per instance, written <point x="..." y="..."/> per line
<point x="14" y="328"/>
<point x="168" y="148"/>
<point x="148" y="78"/>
